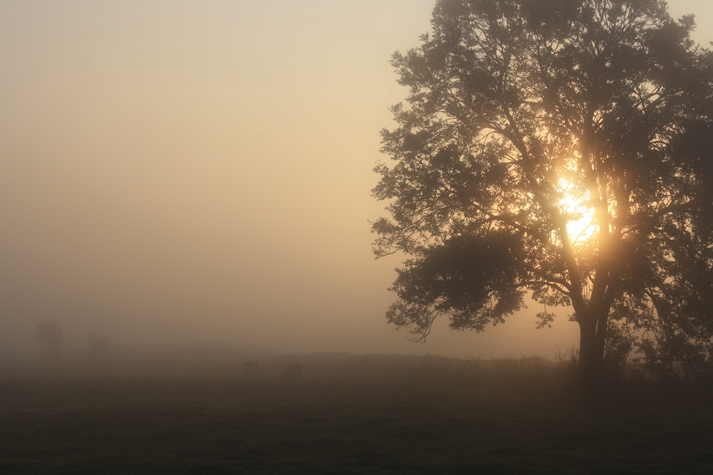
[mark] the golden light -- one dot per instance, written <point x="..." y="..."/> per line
<point x="574" y="203"/>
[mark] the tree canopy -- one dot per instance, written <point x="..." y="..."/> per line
<point x="527" y="118"/>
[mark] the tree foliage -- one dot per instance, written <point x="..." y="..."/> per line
<point x="516" y="110"/>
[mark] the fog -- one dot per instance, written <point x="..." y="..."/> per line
<point x="199" y="173"/>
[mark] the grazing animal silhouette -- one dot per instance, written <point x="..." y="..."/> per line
<point x="292" y="371"/>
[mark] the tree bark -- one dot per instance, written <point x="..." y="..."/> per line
<point x="591" y="352"/>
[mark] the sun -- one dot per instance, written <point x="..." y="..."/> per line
<point x="574" y="203"/>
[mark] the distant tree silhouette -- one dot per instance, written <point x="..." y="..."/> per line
<point x="522" y="116"/>
<point x="253" y="370"/>
<point x="98" y="346"/>
<point x="50" y="334"/>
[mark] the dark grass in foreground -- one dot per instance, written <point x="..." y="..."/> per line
<point x="505" y="419"/>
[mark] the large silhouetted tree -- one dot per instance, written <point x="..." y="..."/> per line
<point x="525" y="115"/>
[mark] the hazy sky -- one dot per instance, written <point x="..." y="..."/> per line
<point x="201" y="171"/>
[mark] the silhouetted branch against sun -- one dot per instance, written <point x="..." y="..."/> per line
<point x="563" y="148"/>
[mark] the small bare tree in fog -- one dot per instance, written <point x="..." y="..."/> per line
<point x="98" y="346"/>
<point x="50" y="334"/>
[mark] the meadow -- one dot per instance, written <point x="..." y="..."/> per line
<point x="373" y="414"/>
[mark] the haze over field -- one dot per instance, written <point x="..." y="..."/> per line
<point x="201" y="172"/>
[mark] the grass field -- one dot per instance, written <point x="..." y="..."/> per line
<point x="494" y="422"/>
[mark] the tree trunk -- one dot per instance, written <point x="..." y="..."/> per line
<point x="591" y="352"/>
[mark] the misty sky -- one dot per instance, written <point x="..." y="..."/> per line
<point x="201" y="171"/>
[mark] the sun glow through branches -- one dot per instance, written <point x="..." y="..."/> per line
<point x="580" y="215"/>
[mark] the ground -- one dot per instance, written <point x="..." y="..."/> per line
<point x="497" y="423"/>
